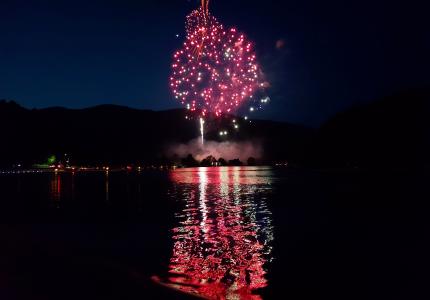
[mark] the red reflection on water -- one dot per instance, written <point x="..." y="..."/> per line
<point x="220" y="245"/>
<point x="55" y="188"/>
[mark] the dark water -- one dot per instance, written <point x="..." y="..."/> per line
<point x="222" y="233"/>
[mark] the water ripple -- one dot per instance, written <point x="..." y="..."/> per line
<point x="222" y="240"/>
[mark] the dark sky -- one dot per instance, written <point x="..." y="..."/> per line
<point x="335" y="54"/>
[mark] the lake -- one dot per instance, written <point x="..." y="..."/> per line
<point x="220" y="233"/>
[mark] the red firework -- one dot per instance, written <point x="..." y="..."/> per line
<point x="216" y="70"/>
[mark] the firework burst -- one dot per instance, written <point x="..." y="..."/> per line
<point x="216" y="69"/>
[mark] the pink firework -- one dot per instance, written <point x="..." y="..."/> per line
<point x="216" y="70"/>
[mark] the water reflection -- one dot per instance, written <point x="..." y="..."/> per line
<point x="55" y="189"/>
<point x="107" y="186"/>
<point x="222" y="241"/>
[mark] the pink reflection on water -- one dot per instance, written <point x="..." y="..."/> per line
<point x="222" y="240"/>
<point x="217" y="175"/>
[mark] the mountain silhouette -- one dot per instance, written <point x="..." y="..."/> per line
<point x="393" y="132"/>
<point x="120" y="135"/>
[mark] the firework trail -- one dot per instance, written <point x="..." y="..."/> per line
<point x="202" y="130"/>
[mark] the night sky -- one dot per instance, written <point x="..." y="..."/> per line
<point x="330" y="55"/>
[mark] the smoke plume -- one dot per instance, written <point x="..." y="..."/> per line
<point x="226" y="150"/>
